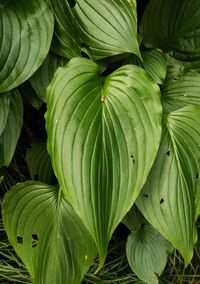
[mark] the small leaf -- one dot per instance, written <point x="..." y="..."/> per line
<point x="39" y="163"/>
<point x="155" y="65"/>
<point x="41" y="79"/>
<point x="146" y="251"/>
<point x="173" y="26"/>
<point x="103" y="136"/>
<point x="171" y="184"/>
<point x="4" y="110"/>
<point x="26" y="30"/>
<point x="108" y="27"/>
<point x="134" y="219"/>
<point x="46" y="233"/>
<point x="12" y="130"/>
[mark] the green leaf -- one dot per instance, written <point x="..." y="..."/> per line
<point x="12" y="130"/>
<point x="181" y="88"/>
<point x="46" y="233"/>
<point x="4" y="110"/>
<point x="103" y="136"/>
<point x="173" y="26"/>
<point x="26" y="30"/>
<point x="29" y="94"/>
<point x="41" y="79"/>
<point x="39" y="163"/>
<point x="167" y="199"/>
<point x="146" y="251"/>
<point x="155" y="65"/>
<point x="108" y="27"/>
<point x="134" y="219"/>
<point x="66" y="41"/>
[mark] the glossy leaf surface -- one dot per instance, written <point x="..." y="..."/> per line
<point x="4" y="110"/>
<point x="167" y="199"/>
<point x="46" y="233"/>
<point x="103" y="136"/>
<point x="26" y="29"/>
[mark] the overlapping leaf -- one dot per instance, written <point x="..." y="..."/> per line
<point x="146" y="251"/>
<point x="46" y="233"/>
<point x="12" y="130"/>
<point x="108" y="27"/>
<point x="103" y="135"/>
<point x="4" y="110"/>
<point x="26" y="30"/>
<point x="173" y="26"/>
<point x="167" y="199"/>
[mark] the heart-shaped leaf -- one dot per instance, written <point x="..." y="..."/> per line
<point x="39" y="163"/>
<point x="4" y="110"/>
<point x="26" y="29"/>
<point x="173" y="26"/>
<point x="167" y="199"/>
<point x="108" y="27"/>
<point x="12" y="130"/>
<point x="146" y="251"/>
<point x="103" y="136"/>
<point x="46" y="233"/>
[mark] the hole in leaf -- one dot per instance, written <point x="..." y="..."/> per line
<point x="197" y="175"/>
<point x="35" y="240"/>
<point x="35" y="177"/>
<point x="162" y="201"/>
<point x="20" y="240"/>
<point x="72" y="3"/>
<point x="168" y="153"/>
<point x="145" y="195"/>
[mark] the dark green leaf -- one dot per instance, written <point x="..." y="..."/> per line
<point x="4" y="110"/>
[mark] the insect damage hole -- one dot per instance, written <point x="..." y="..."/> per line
<point x="168" y="153"/>
<point x="197" y="175"/>
<point x="20" y="240"/>
<point x="35" y="240"/>
<point x="132" y="158"/>
<point x="145" y="195"/>
<point x="162" y="201"/>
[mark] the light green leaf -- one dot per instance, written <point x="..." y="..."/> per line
<point x="41" y="79"/>
<point x="103" y="136"/>
<point x="66" y="41"/>
<point x="167" y="199"/>
<point x="108" y="27"/>
<point x="146" y="251"/>
<point x="46" y="233"/>
<point x="26" y="29"/>
<point x="173" y="26"/>
<point x="39" y="163"/>
<point x="4" y="110"/>
<point x="12" y="130"/>
<point x="155" y="65"/>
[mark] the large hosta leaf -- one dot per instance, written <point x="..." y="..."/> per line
<point x="174" y="26"/>
<point x="103" y="135"/>
<point x="66" y="41"/>
<point x="46" y="233"/>
<point x="41" y="79"/>
<point x="146" y="251"/>
<point x="167" y="199"/>
<point x="26" y="29"/>
<point x="4" y="110"/>
<point x="12" y="130"/>
<point x="108" y="27"/>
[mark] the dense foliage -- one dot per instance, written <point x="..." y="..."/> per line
<point x="118" y="94"/>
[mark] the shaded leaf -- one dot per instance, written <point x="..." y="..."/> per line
<point x="26" y="30"/>
<point x="167" y="199"/>
<point x="108" y="27"/>
<point x="39" y="163"/>
<point x="4" y="110"/>
<point x="134" y="219"/>
<point x="47" y="234"/>
<point x="103" y="136"/>
<point x="12" y="130"/>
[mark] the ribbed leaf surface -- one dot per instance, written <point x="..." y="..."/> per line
<point x="12" y="130"/>
<point x="174" y="26"/>
<point x="39" y="163"/>
<point x="41" y="79"/>
<point x="26" y="29"/>
<point x="4" y="110"/>
<point x="108" y="27"/>
<point x="147" y="253"/>
<point x="155" y="65"/>
<point x="167" y="199"/>
<point x="103" y="135"/>
<point x="47" y="234"/>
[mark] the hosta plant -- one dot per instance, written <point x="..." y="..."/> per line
<point x="123" y="132"/>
